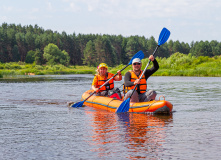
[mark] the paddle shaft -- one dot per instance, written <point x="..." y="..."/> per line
<point x="144" y="71"/>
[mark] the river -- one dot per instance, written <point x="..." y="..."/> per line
<point x="36" y="122"/>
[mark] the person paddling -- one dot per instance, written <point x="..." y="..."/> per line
<point x="101" y="77"/>
<point x="131" y="78"/>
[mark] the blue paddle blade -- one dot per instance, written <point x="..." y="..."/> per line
<point x="164" y="35"/>
<point x="79" y="104"/>
<point x="124" y="107"/>
<point x="137" y="55"/>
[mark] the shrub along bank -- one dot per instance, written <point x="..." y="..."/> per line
<point x="180" y="64"/>
<point x="176" y="65"/>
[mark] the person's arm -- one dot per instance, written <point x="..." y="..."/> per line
<point x="118" y="77"/>
<point x="150" y="71"/>
<point x="94" y="84"/>
<point x="94" y="88"/>
<point x="127" y="80"/>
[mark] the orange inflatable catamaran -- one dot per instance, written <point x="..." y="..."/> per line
<point x="111" y="104"/>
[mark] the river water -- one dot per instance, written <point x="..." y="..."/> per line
<point x="36" y="123"/>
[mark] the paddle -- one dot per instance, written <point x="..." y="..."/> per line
<point x="163" y="37"/>
<point x="137" y="55"/>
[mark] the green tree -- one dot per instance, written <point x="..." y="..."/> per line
<point x="20" y="39"/>
<point x="216" y="47"/>
<point x="30" y="57"/>
<point x="16" y="54"/>
<point x="124" y="58"/>
<point x="151" y="43"/>
<point x="185" y="48"/>
<point x="75" y="53"/>
<point x="105" y="52"/>
<point x="30" y="40"/>
<point x="64" y="58"/>
<point x="110" y="53"/>
<point x="202" y="49"/>
<point x="10" y="42"/>
<point x="132" y="46"/>
<point x="170" y="47"/>
<point x="53" y="55"/>
<point x="217" y="50"/>
<point x="38" y="57"/>
<point x="17" y="40"/>
<point x="143" y="45"/>
<point x="89" y="54"/>
<point x="177" y="47"/>
<point x="100" y="51"/>
<point x="163" y="51"/>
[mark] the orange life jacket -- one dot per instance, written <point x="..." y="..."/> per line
<point x="142" y="86"/>
<point x="101" y="81"/>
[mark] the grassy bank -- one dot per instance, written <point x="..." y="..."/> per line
<point x="187" y="65"/>
<point x="13" y="69"/>
<point x="176" y="65"/>
<point x="184" y="65"/>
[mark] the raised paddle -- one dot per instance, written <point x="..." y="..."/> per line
<point x="125" y="105"/>
<point x="137" y="55"/>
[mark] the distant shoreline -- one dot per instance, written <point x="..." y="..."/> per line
<point x="177" y="64"/>
<point x="56" y="70"/>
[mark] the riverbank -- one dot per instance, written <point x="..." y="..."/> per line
<point x="180" y="64"/>
<point x="176" y="65"/>
<point x="14" y="69"/>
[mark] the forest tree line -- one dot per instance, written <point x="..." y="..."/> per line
<point x="18" y="42"/>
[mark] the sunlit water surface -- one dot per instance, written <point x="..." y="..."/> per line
<point x="36" y="123"/>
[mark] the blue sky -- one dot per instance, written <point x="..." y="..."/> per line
<point x="188" y="20"/>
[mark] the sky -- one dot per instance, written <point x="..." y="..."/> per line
<point x="187" y="20"/>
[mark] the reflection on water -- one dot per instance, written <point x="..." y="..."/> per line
<point x="140" y="133"/>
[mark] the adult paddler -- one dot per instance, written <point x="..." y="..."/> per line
<point x="131" y="78"/>
<point x="101" y="77"/>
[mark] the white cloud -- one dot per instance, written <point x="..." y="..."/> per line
<point x="34" y="10"/>
<point x="30" y="17"/>
<point x="93" y="5"/>
<point x="7" y="8"/>
<point x="3" y="18"/>
<point x="146" y="9"/>
<point x="49" y="6"/>
<point x="185" y="18"/>
<point x="72" y="7"/>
